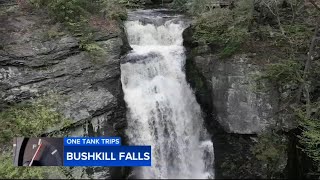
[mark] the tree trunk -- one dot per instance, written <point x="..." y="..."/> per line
<point x="304" y="84"/>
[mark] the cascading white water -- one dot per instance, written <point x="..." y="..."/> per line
<point x="162" y="109"/>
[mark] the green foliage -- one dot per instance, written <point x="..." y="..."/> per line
<point x="114" y="9"/>
<point x="67" y="11"/>
<point x="286" y="27"/>
<point x="268" y="21"/>
<point x="298" y="35"/>
<point x="310" y="136"/>
<point x="94" y="50"/>
<point x="8" y="171"/>
<point x="75" y="10"/>
<point x="298" y="95"/>
<point x="181" y="5"/>
<point x="295" y="40"/>
<point x="87" y="44"/>
<point x="223" y="26"/>
<point x="52" y="33"/>
<point x="132" y="3"/>
<point x="30" y="119"/>
<point x="287" y="76"/>
<point x="195" y="7"/>
<point x="5" y="10"/>
<point x="210" y="27"/>
<point x="76" y="16"/>
<point x="285" y="73"/>
<point x="92" y="47"/>
<point x="80" y="28"/>
<point x="270" y="149"/>
<point x="230" y="49"/>
<point x="39" y="3"/>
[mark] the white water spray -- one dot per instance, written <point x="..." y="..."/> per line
<point x="162" y="109"/>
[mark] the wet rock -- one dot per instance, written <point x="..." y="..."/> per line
<point x="161" y="1"/>
<point x="156" y="17"/>
<point x="143" y="58"/>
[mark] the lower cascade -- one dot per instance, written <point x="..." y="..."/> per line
<point x="162" y="109"/>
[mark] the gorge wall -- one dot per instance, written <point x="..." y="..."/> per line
<point x="38" y="57"/>
<point x="239" y="117"/>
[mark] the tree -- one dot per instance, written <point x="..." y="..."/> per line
<point x="314" y="40"/>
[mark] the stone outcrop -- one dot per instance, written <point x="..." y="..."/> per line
<point x="238" y="106"/>
<point x="236" y="114"/>
<point x="37" y="57"/>
<point x="239" y="109"/>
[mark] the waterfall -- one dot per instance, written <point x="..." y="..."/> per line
<point x="162" y="109"/>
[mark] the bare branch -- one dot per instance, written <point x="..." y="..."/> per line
<point x="309" y="59"/>
<point x="314" y="4"/>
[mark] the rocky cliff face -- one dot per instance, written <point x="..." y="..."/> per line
<point x="238" y="108"/>
<point x="37" y="57"/>
<point x="236" y="114"/>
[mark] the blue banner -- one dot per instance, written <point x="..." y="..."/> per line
<point x="107" y="156"/>
<point x="92" y="141"/>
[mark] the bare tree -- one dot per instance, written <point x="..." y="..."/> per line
<point x="272" y="5"/>
<point x="296" y="7"/>
<point x="315" y="38"/>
